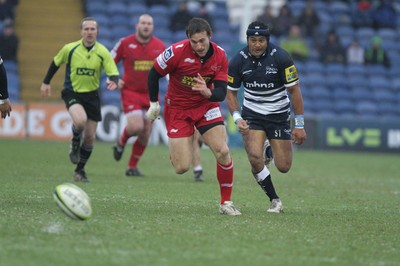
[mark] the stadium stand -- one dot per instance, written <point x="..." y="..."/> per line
<point x="355" y="90"/>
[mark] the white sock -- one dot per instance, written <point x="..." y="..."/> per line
<point x="262" y="174"/>
<point x="197" y="168"/>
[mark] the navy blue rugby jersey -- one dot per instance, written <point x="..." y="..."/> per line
<point x="264" y="79"/>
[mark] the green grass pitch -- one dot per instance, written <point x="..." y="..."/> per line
<point x="340" y="209"/>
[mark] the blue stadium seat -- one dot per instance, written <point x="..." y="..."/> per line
<point x="324" y="107"/>
<point x="342" y="19"/>
<point x="379" y="83"/>
<point x="119" y="21"/>
<point x="95" y="8"/>
<point x="356" y="70"/>
<point x="344" y="107"/>
<point x="355" y="81"/>
<point x="120" y="30"/>
<point x="103" y="21"/>
<point x="395" y="58"/>
<point x="315" y="79"/>
<point x="345" y="41"/>
<point x="221" y="25"/>
<point x="222" y="37"/>
<point x="340" y="12"/>
<point x="388" y="34"/>
<point x="136" y="9"/>
<point x="385" y="96"/>
<point x="296" y="7"/>
<point x="341" y="93"/>
<point x="219" y="14"/>
<point x="336" y="80"/>
<point x="395" y="84"/>
<point x="105" y="32"/>
<point x="366" y="109"/>
<point x="314" y="67"/>
<point x="388" y="110"/>
<point x="320" y="5"/>
<point x="377" y="70"/>
<point x="361" y="94"/>
<point x="161" y="21"/>
<point x="335" y="69"/>
<point x="159" y="11"/>
<point x="117" y="8"/>
<point x="308" y="106"/>
<point x="365" y="32"/>
<point x="325" y="18"/>
<point x="390" y="45"/>
<point x="179" y="36"/>
<point x="345" y="31"/>
<point x="318" y="92"/>
<point x="336" y="7"/>
<point x="164" y="34"/>
<point x="304" y="83"/>
<point x="324" y="27"/>
<point x="306" y="91"/>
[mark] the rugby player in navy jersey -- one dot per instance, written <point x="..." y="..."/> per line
<point x="268" y="74"/>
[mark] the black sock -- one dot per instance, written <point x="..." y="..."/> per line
<point x="268" y="188"/>
<point x="76" y="135"/>
<point x="85" y="153"/>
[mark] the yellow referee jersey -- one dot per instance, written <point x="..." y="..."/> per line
<point x="84" y="67"/>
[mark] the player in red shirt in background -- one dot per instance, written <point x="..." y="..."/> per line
<point x="137" y="52"/>
<point x="198" y="75"/>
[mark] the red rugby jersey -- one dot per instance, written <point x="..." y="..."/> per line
<point x="137" y="59"/>
<point x="182" y="64"/>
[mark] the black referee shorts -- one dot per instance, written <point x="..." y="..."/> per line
<point x="89" y="100"/>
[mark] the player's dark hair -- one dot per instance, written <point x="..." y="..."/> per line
<point x="197" y="25"/>
<point x="258" y="28"/>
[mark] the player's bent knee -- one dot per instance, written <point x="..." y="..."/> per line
<point x="222" y="154"/>
<point x="283" y="168"/>
<point x="180" y="171"/>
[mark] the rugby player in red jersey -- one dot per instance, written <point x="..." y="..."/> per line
<point x="198" y="75"/>
<point x="137" y="52"/>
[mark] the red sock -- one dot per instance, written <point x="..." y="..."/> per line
<point x="137" y="151"/>
<point x="124" y="138"/>
<point x="225" y="179"/>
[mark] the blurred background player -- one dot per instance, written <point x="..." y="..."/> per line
<point x="198" y="75"/>
<point x="5" y="105"/>
<point x="267" y="73"/>
<point x="85" y="59"/>
<point x="9" y="42"/>
<point x="137" y="52"/>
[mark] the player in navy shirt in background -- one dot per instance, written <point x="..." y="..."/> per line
<point x="267" y="73"/>
<point x="5" y="106"/>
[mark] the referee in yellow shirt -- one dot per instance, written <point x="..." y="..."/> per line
<point x="85" y="59"/>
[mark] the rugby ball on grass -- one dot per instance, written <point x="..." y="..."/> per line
<point x="73" y="201"/>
